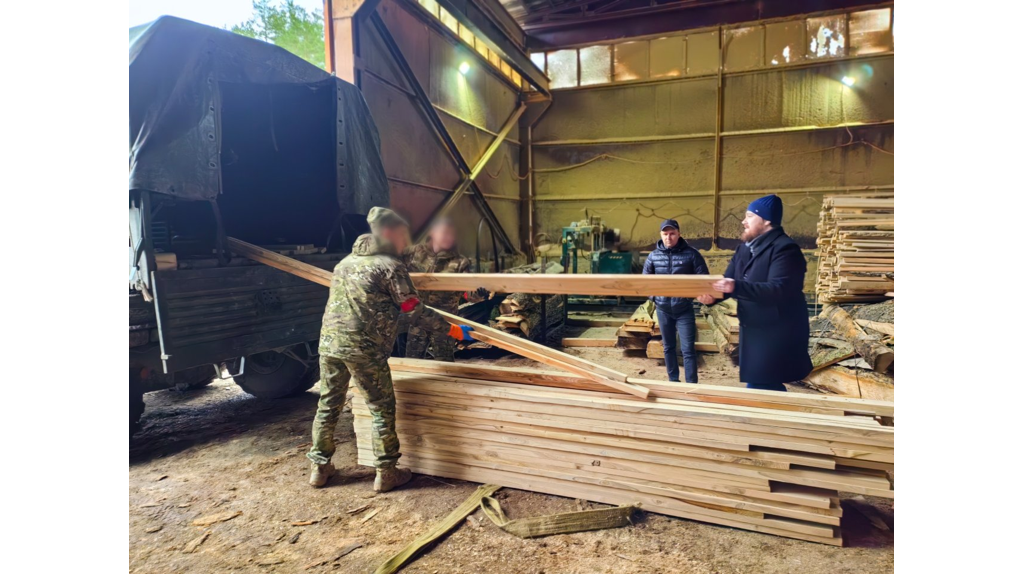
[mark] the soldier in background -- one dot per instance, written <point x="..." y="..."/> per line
<point x="438" y="254"/>
<point x="370" y="289"/>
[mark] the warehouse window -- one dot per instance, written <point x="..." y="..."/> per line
<point x="827" y="37"/>
<point x="595" y="65"/>
<point x="540" y="60"/>
<point x="562" y="69"/>
<point x="744" y="49"/>
<point x="870" y="32"/>
<point x="448" y="20"/>
<point x="463" y="33"/>
<point x="430" y="6"/>
<point x="783" y="41"/>
<point x="632" y="61"/>
<point x="668" y="57"/>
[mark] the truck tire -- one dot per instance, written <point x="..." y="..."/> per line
<point x="136" y="404"/>
<point x="273" y="375"/>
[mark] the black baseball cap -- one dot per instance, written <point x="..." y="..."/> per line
<point x="669" y="223"/>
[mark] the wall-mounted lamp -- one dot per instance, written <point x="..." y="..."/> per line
<point x="464" y="68"/>
<point x="848" y="81"/>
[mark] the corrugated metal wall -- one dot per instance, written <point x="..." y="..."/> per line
<point x="652" y="148"/>
<point x="473" y="106"/>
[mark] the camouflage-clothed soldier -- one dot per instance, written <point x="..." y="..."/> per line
<point x="371" y="288"/>
<point x="424" y="259"/>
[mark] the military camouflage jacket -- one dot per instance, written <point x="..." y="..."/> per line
<point x="371" y="288"/>
<point x="422" y="259"/>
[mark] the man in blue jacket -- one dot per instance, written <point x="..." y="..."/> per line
<point x="673" y="256"/>
<point x="766" y="277"/>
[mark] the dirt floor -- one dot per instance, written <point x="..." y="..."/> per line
<point x="219" y="454"/>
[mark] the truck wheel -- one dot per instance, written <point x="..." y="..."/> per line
<point x="273" y="375"/>
<point x="136" y="404"/>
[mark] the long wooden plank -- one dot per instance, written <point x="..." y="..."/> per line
<point x="586" y="342"/>
<point x="571" y="284"/>
<point x="597" y="373"/>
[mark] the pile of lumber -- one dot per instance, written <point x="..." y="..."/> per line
<point x="856" y="248"/>
<point x="762" y="461"/>
<point x="638" y="329"/>
<point x="724" y="325"/>
<point x="853" y="351"/>
<point x="521" y="313"/>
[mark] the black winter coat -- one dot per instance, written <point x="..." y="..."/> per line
<point x="681" y="259"/>
<point x="773" y="314"/>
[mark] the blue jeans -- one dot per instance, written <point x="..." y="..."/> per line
<point x="683" y="323"/>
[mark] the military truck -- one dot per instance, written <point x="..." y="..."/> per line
<point x="234" y="137"/>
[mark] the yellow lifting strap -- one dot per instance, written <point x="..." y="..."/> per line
<point x="565" y="523"/>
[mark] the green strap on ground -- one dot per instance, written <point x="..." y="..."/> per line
<point x="456" y="517"/>
<point x="566" y="523"/>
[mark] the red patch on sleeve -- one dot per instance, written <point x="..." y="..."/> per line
<point x="410" y="304"/>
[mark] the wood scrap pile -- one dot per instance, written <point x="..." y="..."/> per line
<point x="853" y="351"/>
<point x="638" y="329"/>
<point x="856" y="248"/>
<point x="522" y="313"/>
<point x="724" y="324"/>
<point x="758" y="460"/>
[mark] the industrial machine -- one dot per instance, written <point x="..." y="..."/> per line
<point x="596" y="242"/>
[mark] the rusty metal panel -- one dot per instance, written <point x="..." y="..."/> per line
<point x="810" y="96"/>
<point x="632" y="61"/>
<point x="668" y="57"/>
<point x="410" y="33"/>
<point x="784" y="42"/>
<point x="375" y="58"/>
<point x="409" y="147"/>
<point x="744" y="49"/>
<point x="702" y="53"/>
<point x="415" y="203"/>
<point x="662" y="168"/>
<point x="816" y="159"/>
<point x="663" y="109"/>
<point x="478" y="97"/>
<point x="500" y="175"/>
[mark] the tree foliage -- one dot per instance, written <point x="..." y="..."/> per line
<point x="291" y="27"/>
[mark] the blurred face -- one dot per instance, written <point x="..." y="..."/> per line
<point x="397" y="236"/>
<point x="754" y="226"/>
<point x="442" y="237"/>
<point x="670" y="236"/>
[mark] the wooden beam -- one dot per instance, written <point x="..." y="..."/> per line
<point x="584" y="342"/>
<point x="502" y="340"/>
<point x="525" y="348"/>
<point x="571" y="284"/>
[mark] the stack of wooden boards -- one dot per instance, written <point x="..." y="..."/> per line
<point x="638" y="329"/>
<point x="758" y="460"/>
<point x="856" y="248"/>
<point x="853" y="351"/>
<point x="724" y="324"/>
<point x="521" y="313"/>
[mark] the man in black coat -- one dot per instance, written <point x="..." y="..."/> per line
<point x="673" y="256"/>
<point x="766" y="277"/>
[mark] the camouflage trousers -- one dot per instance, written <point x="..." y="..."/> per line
<point x="372" y="378"/>
<point x="440" y="345"/>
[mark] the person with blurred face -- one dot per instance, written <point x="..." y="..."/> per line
<point x="766" y="277"/>
<point x="438" y="254"/>
<point x="673" y="256"/>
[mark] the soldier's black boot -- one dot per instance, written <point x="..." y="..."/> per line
<point x="391" y="478"/>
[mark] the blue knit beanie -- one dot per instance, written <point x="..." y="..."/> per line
<point x="768" y="207"/>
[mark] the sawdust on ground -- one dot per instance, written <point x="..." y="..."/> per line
<point x="216" y="451"/>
